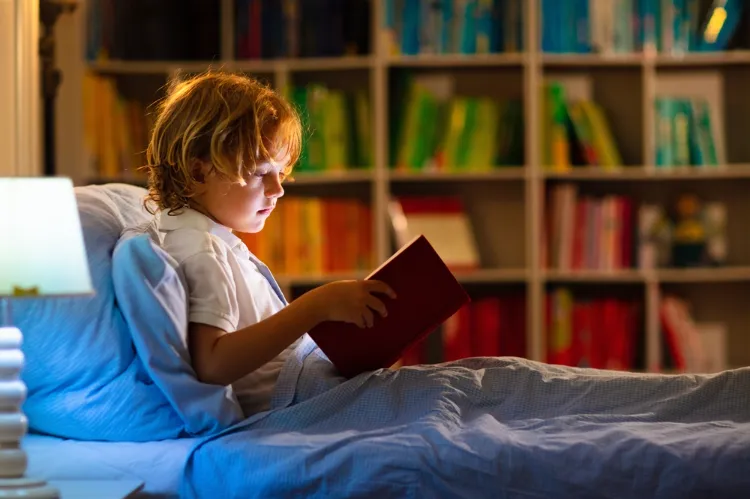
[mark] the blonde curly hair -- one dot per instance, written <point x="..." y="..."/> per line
<point x="231" y="121"/>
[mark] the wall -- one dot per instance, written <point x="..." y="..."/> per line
<point x="7" y="88"/>
<point x="20" y="118"/>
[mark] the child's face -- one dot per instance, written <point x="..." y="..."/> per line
<point x="244" y="208"/>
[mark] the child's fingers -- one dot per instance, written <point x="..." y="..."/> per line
<point x="360" y="321"/>
<point x="368" y="316"/>
<point x="380" y="287"/>
<point x="377" y="305"/>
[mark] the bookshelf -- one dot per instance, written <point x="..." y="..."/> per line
<point x="507" y="204"/>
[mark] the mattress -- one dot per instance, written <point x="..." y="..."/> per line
<point x="159" y="465"/>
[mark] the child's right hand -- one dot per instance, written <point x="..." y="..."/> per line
<point x="353" y="301"/>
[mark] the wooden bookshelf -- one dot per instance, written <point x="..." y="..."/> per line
<point x="507" y="203"/>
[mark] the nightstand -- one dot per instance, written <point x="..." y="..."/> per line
<point x="96" y="489"/>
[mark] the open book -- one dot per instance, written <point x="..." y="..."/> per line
<point x="427" y="294"/>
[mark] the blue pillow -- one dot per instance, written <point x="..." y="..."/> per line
<point x="93" y="367"/>
<point x="151" y="293"/>
<point x="82" y="373"/>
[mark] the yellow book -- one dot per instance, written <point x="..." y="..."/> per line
<point x="604" y="142"/>
<point x="558" y="134"/>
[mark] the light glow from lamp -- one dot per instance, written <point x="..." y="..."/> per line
<point x="42" y="254"/>
<point x="41" y="243"/>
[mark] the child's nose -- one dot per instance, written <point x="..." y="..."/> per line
<point x="273" y="186"/>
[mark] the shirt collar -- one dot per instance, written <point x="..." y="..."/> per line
<point x="189" y="218"/>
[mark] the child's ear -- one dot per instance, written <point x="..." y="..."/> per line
<point x="200" y="170"/>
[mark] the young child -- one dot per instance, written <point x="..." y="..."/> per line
<point x="220" y="149"/>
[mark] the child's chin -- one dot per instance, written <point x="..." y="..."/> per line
<point x="255" y="227"/>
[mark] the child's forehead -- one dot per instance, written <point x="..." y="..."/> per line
<point x="278" y="162"/>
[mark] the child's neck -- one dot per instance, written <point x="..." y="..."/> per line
<point x="194" y="205"/>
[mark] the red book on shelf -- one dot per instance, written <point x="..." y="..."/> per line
<point x="427" y="294"/>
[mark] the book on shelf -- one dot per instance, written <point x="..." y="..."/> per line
<point x="427" y="295"/>
<point x="615" y="232"/>
<point x="575" y="131"/>
<point x="488" y="326"/>
<point x="115" y="129"/>
<point x="434" y="129"/>
<point x="584" y="232"/>
<point x="613" y="27"/>
<point x="603" y="333"/>
<point x="301" y="28"/>
<point x="185" y="30"/>
<point x="315" y="236"/>
<point x="443" y="220"/>
<point x="445" y="27"/>
<point x="689" y="346"/>
<point x="684" y="133"/>
<point x="140" y="30"/>
<point x="336" y="126"/>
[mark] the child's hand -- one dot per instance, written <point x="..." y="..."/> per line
<point x="353" y="301"/>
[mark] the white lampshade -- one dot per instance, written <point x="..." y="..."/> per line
<point x="41" y="244"/>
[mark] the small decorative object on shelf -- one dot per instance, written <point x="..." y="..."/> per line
<point x="689" y="242"/>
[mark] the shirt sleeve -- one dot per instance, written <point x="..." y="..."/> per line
<point x="212" y="291"/>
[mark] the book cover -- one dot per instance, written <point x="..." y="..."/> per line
<point x="427" y="294"/>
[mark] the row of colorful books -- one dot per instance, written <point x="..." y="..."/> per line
<point x="575" y="132"/>
<point x="116" y="129"/>
<point x="414" y="27"/>
<point x="602" y="333"/>
<point x="486" y="327"/>
<point x="689" y="345"/>
<point x="165" y="30"/>
<point x="310" y="235"/>
<point x="596" y="332"/>
<point x="268" y="29"/>
<point x="337" y="128"/>
<point x="181" y="30"/>
<point x="434" y="129"/>
<point x="684" y="133"/>
<point x="623" y="26"/>
<point x="609" y="333"/>
<point x="583" y="232"/>
<point x="614" y="232"/>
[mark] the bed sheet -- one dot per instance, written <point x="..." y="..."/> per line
<point x="160" y="465"/>
<point x="492" y="427"/>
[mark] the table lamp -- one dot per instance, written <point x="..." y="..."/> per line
<point x="42" y="255"/>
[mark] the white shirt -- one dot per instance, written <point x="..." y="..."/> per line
<point x="226" y="290"/>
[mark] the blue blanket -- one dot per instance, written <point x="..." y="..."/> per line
<point x="486" y="427"/>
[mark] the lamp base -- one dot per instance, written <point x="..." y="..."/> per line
<point x="13" y="482"/>
<point x="26" y="488"/>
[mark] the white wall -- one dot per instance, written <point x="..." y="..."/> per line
<point x="20" y="118"/>
<point x="8" y="139"/>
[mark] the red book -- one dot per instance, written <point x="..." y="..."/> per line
<point x="427" y="294"/>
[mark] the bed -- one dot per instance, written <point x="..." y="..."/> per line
<point x="158" y="465"/>
<point x="116" y="371"/>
